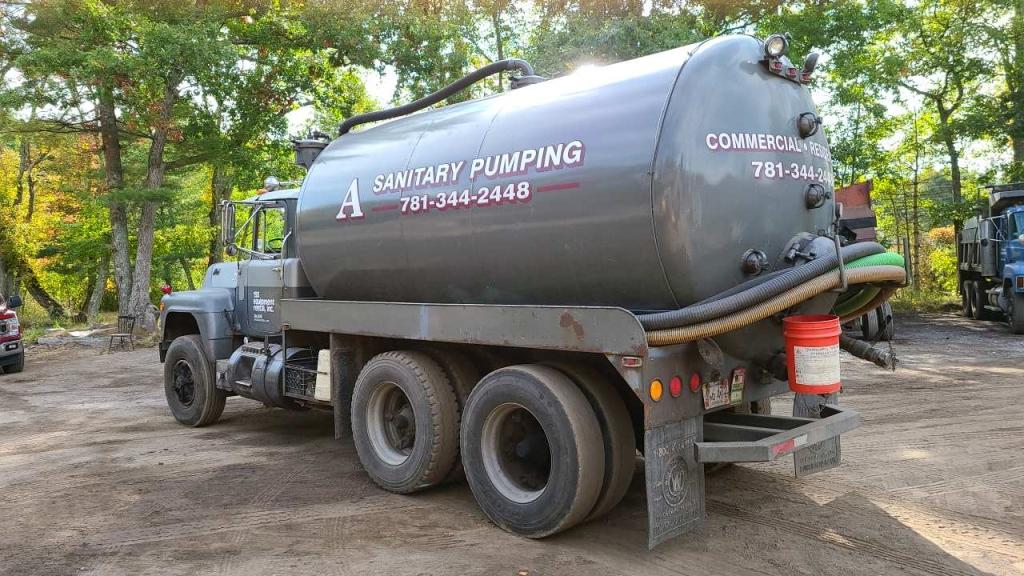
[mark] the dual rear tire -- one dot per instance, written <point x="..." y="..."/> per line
<point x="543" y="448"/>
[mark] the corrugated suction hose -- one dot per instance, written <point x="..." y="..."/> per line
<point x="774" y="305"/>
<point x="720" y="307"/>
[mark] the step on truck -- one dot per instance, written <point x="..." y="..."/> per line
<point x="990" y="257"/>
<point x="524" y="290"/>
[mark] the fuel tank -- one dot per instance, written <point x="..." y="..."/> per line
<point x="642" y="185"/>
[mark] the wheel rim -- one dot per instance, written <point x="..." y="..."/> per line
<point x="516" y="453"/>
<point x="391" y="424"/>
<point x="184" y="383"/>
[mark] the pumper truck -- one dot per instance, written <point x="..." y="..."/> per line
<point x="990" y="255"/>
<point x="526" y="289"/>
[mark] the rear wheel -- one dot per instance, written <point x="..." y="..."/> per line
<point x="616" y="432"/>
<point x="1016" y="312"/>
<point x="193" y="398"/>
<point x="532" y="450"/>
<point x="405" y="421"/>
<point x="869" y="326"/>
<point x="966" y="298"/>
<point x="886" y="323"/>
<point x="978" y="299"/>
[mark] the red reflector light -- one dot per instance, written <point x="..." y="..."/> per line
<point x="675" y="386"/>
<point x="805" y="77"/>
<point x="776" y="65"/>
<point x="1020" y="282"/>
<point x="791" y="72"/>
<point x="695" y="381"/>
<point x="632" y="361"/>
<point x="6" y="314"/>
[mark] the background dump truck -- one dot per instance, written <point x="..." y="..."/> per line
<point x="527" y="288"/>
<point x="991" y="258"/>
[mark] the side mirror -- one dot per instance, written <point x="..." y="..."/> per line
<point x="227" y="224"/>
<point x="15" y="302"/>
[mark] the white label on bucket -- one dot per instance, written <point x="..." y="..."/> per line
<point x="816" y="366"/>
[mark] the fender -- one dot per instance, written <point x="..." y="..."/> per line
<point x="208" y="312"/>
<point x="1010" y="273"/>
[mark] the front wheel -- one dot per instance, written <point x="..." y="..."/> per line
<point x="193" y="398"/>
<point x="1016" y="313"/>
<point x="18" y="365"/>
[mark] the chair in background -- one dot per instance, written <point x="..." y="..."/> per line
<point x="125" y="333"/>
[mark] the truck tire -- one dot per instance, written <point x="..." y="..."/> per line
<point x="980" y="301"/>
<point x="869" y="325"/>
<point x="189" y="386"/>
<point x="886" y="322"/>
<point x="966" y="306"/>
<point x="532" y="451"/>
<point x="405" y="421"/>
<point x="18" y="365"/>
<point x="463" y="374"/>
<point x="616" y="431"/>
<point x="461" y="371"/>
<point x="1016" y="312"/>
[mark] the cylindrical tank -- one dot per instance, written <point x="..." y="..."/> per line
<point x="641" y="184"/>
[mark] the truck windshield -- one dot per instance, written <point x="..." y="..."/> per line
<point x="1017" y="224"/>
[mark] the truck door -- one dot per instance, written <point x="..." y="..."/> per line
<point x="262" y="274"/>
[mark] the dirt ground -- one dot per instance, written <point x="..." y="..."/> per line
<point x="97" y="478"/>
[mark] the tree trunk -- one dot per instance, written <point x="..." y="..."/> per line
<point x="140" y="302"/>
<point x="52" y="307"/>
<point x="188" y="272"/>
<point x="220" y="190"/>
<point x="119" y="244"/>
<point x="1015" y="85"/>
<point x="31" y="196"/>
<point x="24" y="158"/>
<point x="499" y="43"/>
<point x="915" y="253"/>
<point x="92" y="307"/>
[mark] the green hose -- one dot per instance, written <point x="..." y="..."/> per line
<point x="865" y="295"/>
<point x="883" y="259"/>
<point x="856" y="302"/>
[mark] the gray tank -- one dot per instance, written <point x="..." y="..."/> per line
<point x="641" y="185"/>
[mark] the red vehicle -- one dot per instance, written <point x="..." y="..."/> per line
<point x="12" y="353"/>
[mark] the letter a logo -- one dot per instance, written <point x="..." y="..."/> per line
<point x="351" y="202"/>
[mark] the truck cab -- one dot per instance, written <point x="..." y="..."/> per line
<point x="991" y="258"/>
<point x="237" y="308"/>
<point x="12" y="352"/>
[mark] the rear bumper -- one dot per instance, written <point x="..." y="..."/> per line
<point x="10" y="351"/>
<point x="732" y="437"/>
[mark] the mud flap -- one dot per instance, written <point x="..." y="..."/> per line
<point x="823" y="455"/>
<point x="675" y="480"/>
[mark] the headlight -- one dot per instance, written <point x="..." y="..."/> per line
<point x="776" y="45"/>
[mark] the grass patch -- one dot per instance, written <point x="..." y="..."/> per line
<point x="912" y="300"/>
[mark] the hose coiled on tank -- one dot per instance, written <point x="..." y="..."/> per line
<point x="778" y="303"/>
<point x="718" y="307"/>
<point x="459" y="85"/>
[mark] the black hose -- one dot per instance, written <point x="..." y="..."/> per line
<point x="715" y="307"/>
<point x="442" y="94"/>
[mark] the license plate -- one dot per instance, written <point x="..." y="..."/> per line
<point x="716" y="394"/>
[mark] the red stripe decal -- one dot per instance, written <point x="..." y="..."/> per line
<point x="784" y="447"/>
<point x="557" y="187"/>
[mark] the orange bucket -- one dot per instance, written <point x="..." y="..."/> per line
<point x="812" y="353"/>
